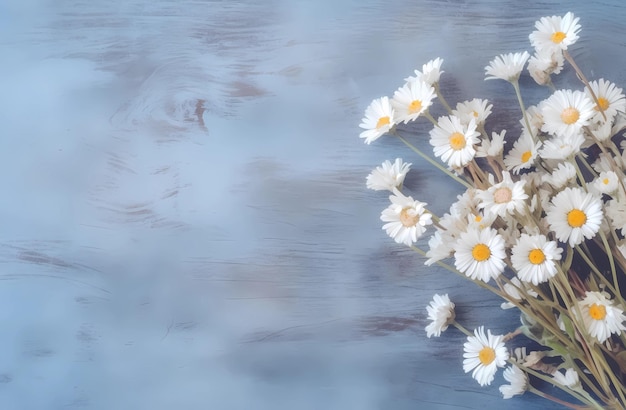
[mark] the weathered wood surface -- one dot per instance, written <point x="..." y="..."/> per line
<point x="185" y="219"/>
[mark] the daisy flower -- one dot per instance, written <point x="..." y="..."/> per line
<point x="606" y="183"/>
<point x="480" y="254"/>
<point x="454" y="142"/>
<point x="562" y="148"/>
<point x="512" y="289"/>
<point x="411" y="100"/>
<point x="388" y="176"/>
<point x="484" y="353"/>
<point x="562" y="175"/>
<point x="555" y="33"/>
<point x="506" y="66"/>
<point x="565" y="112"/>
<point x="378" y="120"/>
<point x="616" y="211"/>
<point x="568" y="379"/>
<point x="477" y="109"/>
<point x="522" y="155"/>
<point x="600" y="316"/>
<point x="574" y="215"/>
<point x="534" y="258"/>
<point x="440" y="313"/>
<point x="439" y="247"/>
<point x="518" y="379"/>
<point x="406" y="218"/>
<point x="503" y="198"/>
<point x="491" y="148"/>
<point x="542" y="64"/>
<point x="610" y="99"/>
<point x="430" y="74"/>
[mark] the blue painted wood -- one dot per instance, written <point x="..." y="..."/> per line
<point x="185" y="217"/>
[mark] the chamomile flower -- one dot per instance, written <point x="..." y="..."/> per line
<point x="600" y="316"/>
<point x="610" y="99"/>
<point x="606" y="183"/>
<point x="411" y="100"/>
<point x="503" y="198"/>
<point x="440" y="313"/>
<point x="562" y="175"/>
<point x="454" y="142"/>
<point x="431" y="72"/>
<point x="542" y="64"/>
<point x="512" y="289"/>
<point x="480" y="254"/>
<point x="522" y="155"/>
<point x="568" y="379"/>
<point x="518" y="379"/>
<point x="379" y="119"/>
<point x="555" y="33"/>
<point x="561" y="148"/>
<point x="616" y="211"/>
<point x="476" y="109"/>
<point x="574" y="215"/>
<point x="565" y="112"/>
<point x="406" y="218"/>
<point x="493" y="147"/>
<point x="388" y="176"/>
<point x="506" y="66"/>
<point x="439" y="247"/>
<point x="483" y="354"/>
<point x="534" y="258"/>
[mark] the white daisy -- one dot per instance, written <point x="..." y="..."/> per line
<point x="562" y="175"/>
<point x="484" y="354"/>
<point x="506" y="66"/>
<point x="562" y="148"/>
<point x="606" y="183"/>
<point x="440" y="313"/>
<point x="610" y="99"/>
<point x="480" y="254"/>
<point x="616" y="211"/>
<point x="454" y="142"/>
<point x="439" y="248"/>
<point x="534" y="258"/>
<point x="568" y="379"/>
<point x="431" y="72"/>
<point x="565" y="112"/>
<point x="406" y="218"/>
<point x="555" y="33"/>
<point x="411" y="100"/>
<point x="518" y="379"/>
<point x="542" y="64"/>
<point x="476" y="109"/>
<point x="378" y="120"/>
<point x="493" y="147"/>
<point x="600" y="316"/>
<point x="535" y="118"/>
<point x="522" y="155"/>
<point x="388" y="176"/>
<point x="503" y="198"/>
<point x="512" y="289"/>
<point x="574" y="215"/>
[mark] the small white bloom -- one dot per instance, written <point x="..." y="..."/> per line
<point x="512" y="289"/>
<point x="565" y="112"/>
<point x="522" y="155"/>
<point x="476" y="109"/>
<point x="610" y="99"/>
<point x="439" y="247"/>
<point x="561" y="176"/>
<point x="491" y="148"/>
<point x="561" y="148"/>
<point x="431" y="72"/>
<point x="440" y="313"/>
<point x="484" y="353"/>
<point x="503" y="198"/>
<point x="555" y="33"/>
<point x="480" y="254"/>
<point x="454" y="142"/>
<point x="411" y="100"/>
<point x="574" y="215"/>
<point x="518" y="379"/>
<point x="606" y="183"/>
<point x="569" y="379"/>
<point x="388" y="176"/>
<point x="378" y="120"/>
<point x="600" y="316"/>
<point x="616" y="211"/>
<point x="506" y="66"/>
<point x="534" y="258"/>
<point x="406" y="218"/>
<point x="543" y="64"/>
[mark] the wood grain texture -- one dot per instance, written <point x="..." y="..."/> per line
<point x="186" y="223"/>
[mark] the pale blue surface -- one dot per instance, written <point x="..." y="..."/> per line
<point x="185" y="219"/>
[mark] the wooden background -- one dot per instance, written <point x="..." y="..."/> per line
<point x="184" y="212"/>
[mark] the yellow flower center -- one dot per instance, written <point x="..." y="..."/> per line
<point x="457" y="141"/>
<point x="481" y="252"/>
<point x="526" y="156"/>
<point x="576" y="218"/>
<point x="603" y="103"/>
<point x="407" y="218"/>
<point x="415" y="106"/>
<point x="486" y="355"/>
<point x="558" y="37"/>
<point x="597" y="312"/>
<point x="382" y="121"/>
<point x="475" y="114"/>
<point x="478" y="218"/>
<point x="502" y="195"/>
<point x="605" y="181"/>
<point x="570" y="115"/>
<point x="536" y="256"/>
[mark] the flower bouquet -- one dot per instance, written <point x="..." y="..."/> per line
<point x="542" y="224"/>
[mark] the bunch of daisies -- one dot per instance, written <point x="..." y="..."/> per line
<point x="542" y="223"/>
